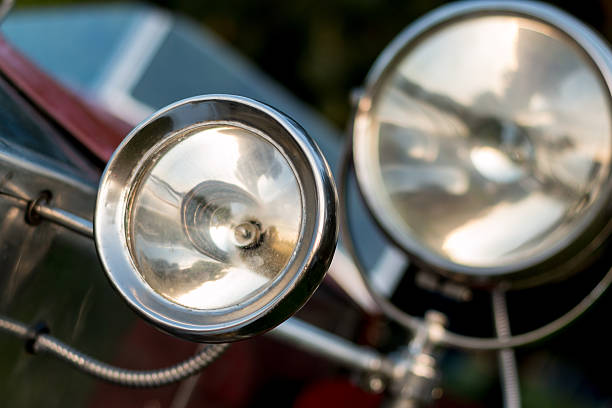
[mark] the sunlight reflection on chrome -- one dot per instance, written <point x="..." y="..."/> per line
<point x="237" y="284"/>
<point x="495" y="165"/>
<point x="501" y="230"/>
<point x="483" y="66"/>
<point x="486" y="143"/>
<point x="216" y="217"/>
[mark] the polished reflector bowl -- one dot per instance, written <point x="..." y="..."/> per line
<point x="216" y="218"/>
<point x="483" y="140"/>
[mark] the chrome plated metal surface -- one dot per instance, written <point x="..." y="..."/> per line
<point x="483" y="140"/>
<point x="450" y="338"/>
<point x="319" y="342"/>
<point x="66" y="219"/>
<point x="23" y="176"/>
<point x="415" y="370"/>
<point x="50" y="274"/>
<point x="215" y="218"/>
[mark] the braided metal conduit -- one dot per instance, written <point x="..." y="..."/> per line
<point x="507" y="360"/>
<point x="44" y="343"/>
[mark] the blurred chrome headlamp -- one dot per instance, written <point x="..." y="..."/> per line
<point x="483" y="140"/>
<point x="216" y="218"/>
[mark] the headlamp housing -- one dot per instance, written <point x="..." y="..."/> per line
<point x="482" y="142"/>
<point x="216" y="218"/>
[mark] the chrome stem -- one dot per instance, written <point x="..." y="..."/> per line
<point x="410" y="373"/>
<point x="335" y="348"/>
<point x="415" y="376"/>
<point x="65" y="219"/>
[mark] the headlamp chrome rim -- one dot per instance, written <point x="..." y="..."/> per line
<point x="592" y="225"/>
<point x="311" y="256"/>
<point x="450" y="338"/>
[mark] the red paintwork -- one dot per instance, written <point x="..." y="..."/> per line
<point x="235" y="380"/>
<point x="97" y="130"/>
<point x="336" y="393"/>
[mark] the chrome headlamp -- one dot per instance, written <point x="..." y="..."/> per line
<point x="483" y="141"/>
<point x="215" y="218"/>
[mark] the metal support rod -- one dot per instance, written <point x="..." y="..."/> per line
<point x="39" y="208"/>
<point x="411" y="372"/>
<point x="317" y="341"/>
<point x="507" y="360"/>
<point x="65" y="219"/>
<point x="415" y="374"/>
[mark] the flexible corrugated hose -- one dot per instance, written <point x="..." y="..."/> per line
<point x="44" y="343"/>
<point x="507" y="361"/>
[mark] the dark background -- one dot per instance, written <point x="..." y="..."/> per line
<point x="319" y="49"/>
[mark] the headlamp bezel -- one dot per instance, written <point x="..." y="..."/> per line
<point x="564" y="257"/>
<point x="292" y="287"/>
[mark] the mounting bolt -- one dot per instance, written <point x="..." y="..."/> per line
<point x="376" y="384"/>
<point x="31" y="215"/>
<point x="33" y="333"/>
<point x="247" y="234"/>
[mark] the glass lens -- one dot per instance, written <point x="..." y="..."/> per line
<point x="488" y="144"/>
<point x="215" y="218"/>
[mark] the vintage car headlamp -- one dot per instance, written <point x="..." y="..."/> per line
<point x="483" y="140"/>
<point x="215" y="218"/>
